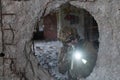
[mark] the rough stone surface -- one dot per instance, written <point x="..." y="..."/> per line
<point x="105" y="12"/>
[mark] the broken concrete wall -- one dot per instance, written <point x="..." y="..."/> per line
<point x="105" y="12"/>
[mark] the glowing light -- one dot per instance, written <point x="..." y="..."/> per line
<point x="77" y="55"/>
<point x="84" y="61"/>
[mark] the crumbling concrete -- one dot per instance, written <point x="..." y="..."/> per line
<point x="105" y="12"/>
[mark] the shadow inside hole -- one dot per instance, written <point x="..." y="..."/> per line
<point x="78" y="22"/>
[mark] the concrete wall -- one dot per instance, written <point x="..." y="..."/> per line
<point x="105" y="12"/>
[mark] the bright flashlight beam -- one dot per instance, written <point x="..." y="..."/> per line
<point x="84" y="61"/>
<point x="77" y="55"/>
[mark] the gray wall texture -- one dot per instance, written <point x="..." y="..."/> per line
<point x="18" y="40"/>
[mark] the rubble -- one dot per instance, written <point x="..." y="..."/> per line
<point x="47" y="54"/>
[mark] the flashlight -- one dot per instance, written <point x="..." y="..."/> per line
<point x="78" y="56"/>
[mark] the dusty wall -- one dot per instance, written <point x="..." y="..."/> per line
<point x="105" y="12"/>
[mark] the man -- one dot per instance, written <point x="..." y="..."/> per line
<point x="64" y="61"/>
<point x="71" y="43"/>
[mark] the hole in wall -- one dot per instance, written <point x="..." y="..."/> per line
<point x="66" y="43"/>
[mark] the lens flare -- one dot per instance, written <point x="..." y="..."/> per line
<point x="77" y="55"/>
<point x="84" y="61"/>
